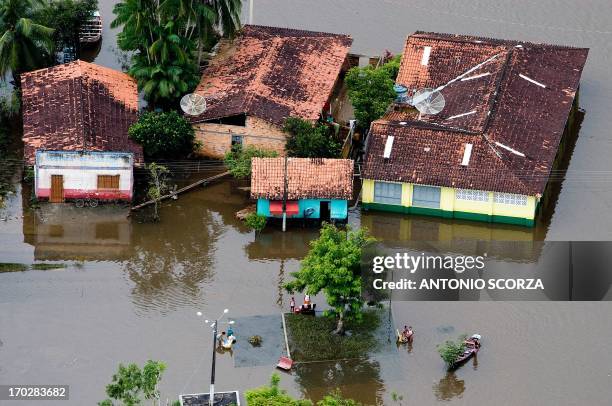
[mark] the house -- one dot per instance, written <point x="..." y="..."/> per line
<point x="76" y="118"/>
<point x="262" y="77"/>
<point x="488" y="154"/>
<point x="314" y="188"/>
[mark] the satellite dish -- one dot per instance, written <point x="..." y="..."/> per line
<point x="428" y="101"/>
<point x="193" y="104"/>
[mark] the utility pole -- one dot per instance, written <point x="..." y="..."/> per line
<point x="211" y="397"/>
<point x="251" y="11"/>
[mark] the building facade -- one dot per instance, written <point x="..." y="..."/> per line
<point x="262" y="77"/>
<point x="488" y="151"/>
<point x="61" y="175"/>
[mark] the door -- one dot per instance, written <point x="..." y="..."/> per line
<point x="325" y="211"/>
<point x="57" y="189"/>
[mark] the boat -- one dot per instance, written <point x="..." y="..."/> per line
<point x="91" y="30"/>
<point x="469" y="352"/>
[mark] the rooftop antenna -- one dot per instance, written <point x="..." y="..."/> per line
<point x="193" y="104"/>
<point x="428" y="101"/>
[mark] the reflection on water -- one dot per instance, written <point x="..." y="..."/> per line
<point x="357" y="379"/>
<point x="449" y="387"/>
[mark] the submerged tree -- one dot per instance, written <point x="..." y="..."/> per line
<point x="333" y="267"/>
<point x="25" y="44"/>
<point x="157" y="185"/>
<point x="131" y="384"/>
<point x="238" y="160"/>
<point x="272" y="395"/>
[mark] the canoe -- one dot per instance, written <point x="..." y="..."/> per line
<point x="467" y="354"/>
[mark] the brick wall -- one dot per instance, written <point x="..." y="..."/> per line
<point x="216" y="139"/>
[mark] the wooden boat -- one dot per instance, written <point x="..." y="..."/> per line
<point x="91" y="31"/>
<point x="469" y="352"/>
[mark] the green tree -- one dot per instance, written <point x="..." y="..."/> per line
<point x="333" y="266"/>
<point x="131" y="384"/>
<point x="66" y="17"/>
<point x="451" y="350"/>
<point x="255" y="221"/>
<point x="308" y="140"/>
<point x="272" y="395"/>
<point x="371" y="91"/>
<point x="163" y="135"/>
<point x="157" y="185"/>
<point x="238" y="160"/>
<point x="25" y="44"/>
<point x="335" y="399"/>
<point x="168" y="39"/>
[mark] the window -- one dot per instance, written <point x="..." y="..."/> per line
<point x="388" y="193"/>
<point x="510" y="198"/>
<point x="426" y="196"/>
<point x="236" y="140"/>
<point x="108" y="182"/>
<point x="473" y="195"/>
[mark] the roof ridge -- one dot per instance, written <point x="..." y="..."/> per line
<point x="295" y="31"/>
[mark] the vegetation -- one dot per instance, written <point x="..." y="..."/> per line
<point x="12" y="267"/>
<point x="451" y="350"/>
<point x="272" y="395"/>
<point x="66" y="18"/>
<point x="255" y="340"/>
<point x="333" y="266"/>
<point x="311" y="339"/>
<point x="25" y="43"/>
<point x="255" y="221"/>
<point x="43" y="266"/>
<point x="8" y="163"/>
<point x="131" y="384"/>
<point x="238" y="160"/>
<point x="168" y="39"/>
<point x="167" y="135"/>
<point x="371" y="91"/>
<point x="308" y="140"/>
<point x="336" y="399"/>
<point x="157" y="185"/>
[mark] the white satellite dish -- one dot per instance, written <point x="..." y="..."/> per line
<point x="428" y="101"/>
<point x="193" y="104"/>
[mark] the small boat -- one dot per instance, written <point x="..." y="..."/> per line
<point x="91" y="30"/>
<point x="469" y="351"/>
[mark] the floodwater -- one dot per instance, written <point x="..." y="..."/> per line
<point x="131" y="288"/>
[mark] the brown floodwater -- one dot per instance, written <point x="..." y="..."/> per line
<point x="131" y="288"/>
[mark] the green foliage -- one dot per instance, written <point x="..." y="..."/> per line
<point x="12" y="267"/>
<point x="392" y="66"/>
<point x="255" y="221"/>
<point x="238" y="160"/>
<point x="66" y="17"/>
<point x="272" y="395"/>
<point x="163" y="135"/>
<point x="308" y="140"/>
<point x="371" y="91"/>
<point x="168" y="38"/>
<point x="157" y="185"/>
<point x="333" y="266"/>
<point x="310" y="338"/>
<point x="131" y="383"/>
<point x="451" y="350"/>
<point x="25" y="44"/>
<point x="335" y="399"/>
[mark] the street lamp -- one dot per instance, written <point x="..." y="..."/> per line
<point x="213" y="325"/>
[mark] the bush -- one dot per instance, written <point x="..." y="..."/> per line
<point x="272" y="395"/>
<point x="255" y="222"/>
<point x="308" y="140"/>
<point x="163" y="135"/>
<point x="451" y="350"/>
<point x="238" y="160"/>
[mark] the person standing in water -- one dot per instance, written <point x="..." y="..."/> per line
<point x="292" y="304"/>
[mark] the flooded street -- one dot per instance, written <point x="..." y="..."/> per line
<point x="130" y="288"/>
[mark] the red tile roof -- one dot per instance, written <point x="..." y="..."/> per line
<point x="79" y="106"/>
<point x="307" y="178"/>
<point x="273" y="73"/>
<point x="500" y="84"/>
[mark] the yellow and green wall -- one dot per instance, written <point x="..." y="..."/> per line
<point x="452" y="207"/>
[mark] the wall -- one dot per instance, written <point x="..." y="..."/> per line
<point x="80" y="171"/>
<point x="451" y="207"/>
<point x="338" y="208"/>
<point x="216" y="139"/>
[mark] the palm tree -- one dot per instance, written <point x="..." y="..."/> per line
<point x="24" y="44"/>
<point x="137" y="17"/>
